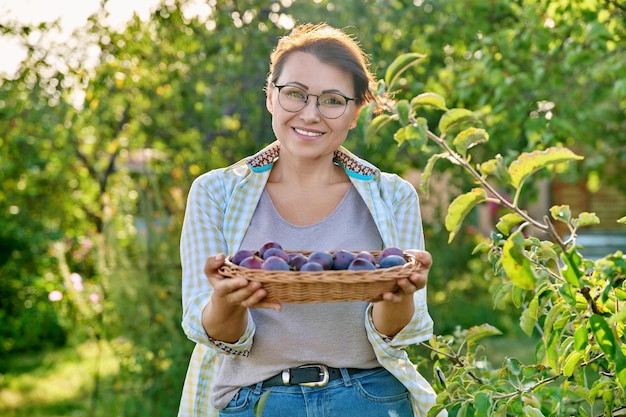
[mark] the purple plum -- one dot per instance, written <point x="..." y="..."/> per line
<point x="275" y="263"/>
<point x="311" y="267"/>
<point x="275" y="252"/>
<point x="240" y="255"/>
<point x="296" y="260"/>
<point x="390" y="250"/>
<point x="267" y="245"/>
<point x="323" y="258"/>
<point x="342" y="259"/>
<point x="390" y="261"/>
<point x="367" y="256"/>
<point x="252" y="262"/>
<point x="361" y="264"/>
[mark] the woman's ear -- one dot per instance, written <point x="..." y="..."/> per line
<point x="356" y="117"/>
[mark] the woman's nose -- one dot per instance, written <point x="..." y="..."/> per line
<point x="310" y="111"/>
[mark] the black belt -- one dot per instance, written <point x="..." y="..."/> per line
<point x="308" y="376"/>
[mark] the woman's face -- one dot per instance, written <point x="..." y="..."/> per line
<point x="306" y="133"/>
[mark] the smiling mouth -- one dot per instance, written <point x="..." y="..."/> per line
<point x="307" y="133"/>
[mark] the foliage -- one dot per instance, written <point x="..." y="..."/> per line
<point x="101" y="136"/>
<point x="574" y="305"/>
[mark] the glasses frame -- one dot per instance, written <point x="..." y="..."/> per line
<point x="317" y="100"/>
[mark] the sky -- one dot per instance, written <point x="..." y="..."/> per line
<point x="73" y="14"/>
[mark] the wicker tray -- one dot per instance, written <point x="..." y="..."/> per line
<point x="324" y="286"/>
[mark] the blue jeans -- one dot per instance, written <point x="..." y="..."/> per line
<point x="370" y="393"/>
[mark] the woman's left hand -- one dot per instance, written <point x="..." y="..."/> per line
<point x="417" y="281"/>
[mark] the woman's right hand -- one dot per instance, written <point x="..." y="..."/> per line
<point x="235" y="292"/>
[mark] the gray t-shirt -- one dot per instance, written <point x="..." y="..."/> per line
<point x="328" y="333"/>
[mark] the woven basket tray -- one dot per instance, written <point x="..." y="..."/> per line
<point x="324" y="286"/>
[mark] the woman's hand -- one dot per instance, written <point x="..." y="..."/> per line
<point x="415" y="282"/>
<point x="395" y="309"/>
<point x="235" y="292"/>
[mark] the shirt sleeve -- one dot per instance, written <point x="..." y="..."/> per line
<point x="404" y="203"/>
<point x="202" y="235"/>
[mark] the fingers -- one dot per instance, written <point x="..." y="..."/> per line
<point x="235" y="291"/>
<point x="417" y="281"/>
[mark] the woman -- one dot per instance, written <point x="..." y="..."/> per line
<point x="306" y="192"/>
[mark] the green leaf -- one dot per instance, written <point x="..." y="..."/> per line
<point x="604" y="336"/>
<point x="507" y="222"/>
<point x="496" y="167"/>
<point x="562" y="213"/>
<point x="400" y="65"/>
<point x="460" y="207"/>
<point x="529" y="162"/>
<point x="570" y="271"/>
<point x="411" y="133"/>
<point x="568" y="293"/>
<point x="453" y="117"/>
<point x="428" y="170"/>
<point x="514" y="365"/>
<point x="527" y="322"/>
<point x="429" y="99"/>
<point x="622" y="220"/>
<point x="571" y="362"/>
<point x="586" y="219"/>
<point x="476" y="333"/>
<point x="581" y="338"/>
<point x="469" y="138"/>
<point x="364" y="119"/>
<point x="482" y="403"/>
<point x="553" y="315"/>
<point x="532" y="411"/>
<point x="515" y="263"/>
<point x="377" y="123"/>
<point x="403" y="110"/>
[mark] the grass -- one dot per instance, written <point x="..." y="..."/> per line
<point x="86" y="381"/>
<point x="56" y="383"/>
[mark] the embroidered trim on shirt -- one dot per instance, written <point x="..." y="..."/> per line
<point x="265" y="158"/>
<point x="226" y="348"/>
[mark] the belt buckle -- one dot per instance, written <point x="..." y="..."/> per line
<point x="324" y="375"/>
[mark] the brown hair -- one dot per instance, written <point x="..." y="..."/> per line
<point x="331" y="46"/>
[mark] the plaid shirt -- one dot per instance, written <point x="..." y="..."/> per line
<point x="219" y="209"/>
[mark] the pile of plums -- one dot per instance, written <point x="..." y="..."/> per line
<point x="272" y="257"/>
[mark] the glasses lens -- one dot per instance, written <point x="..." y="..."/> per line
<point x="332" y="105"/>
<point x="292" y="98"/>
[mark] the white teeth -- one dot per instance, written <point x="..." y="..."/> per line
<point x="307" y="133"/>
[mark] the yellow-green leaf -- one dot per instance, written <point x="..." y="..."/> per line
<point x="469" y="138"/>
<point x="364" y="119"/>
<point x="581" y="338"/>
<point x="376" y="124"/>
<point x="586" y="219"/>
<point x="412" y="133"/>
<point x="604" y="336"/>
<point x="515" y="263"/>
<point x="403" y="110"/>
<point x="460" y="207"/>
<point x="429" y="99"/>
<point x="453" y="117"/>
<point x="475" y="333"/>
<point x="572" y="360"/>
<point x="399" y="65"/>
<point x="529" y="162"/>
<point x="428" y="170"/>
<point x="562" y="213"/>
<point x="508" y="221"/>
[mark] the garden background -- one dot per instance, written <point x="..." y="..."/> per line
<point x="101" y="136"/>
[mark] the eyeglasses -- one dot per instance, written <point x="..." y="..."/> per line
<point x="330" y="105"/>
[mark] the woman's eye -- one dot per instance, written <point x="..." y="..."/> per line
<point x="331" y="100"/>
